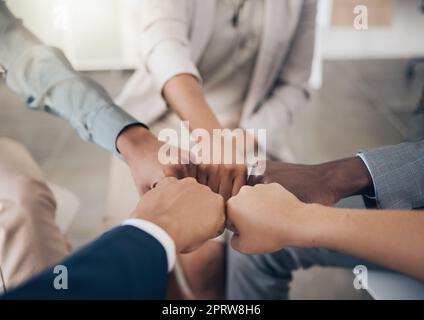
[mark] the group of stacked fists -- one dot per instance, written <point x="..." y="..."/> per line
<point x="196" y="202"/>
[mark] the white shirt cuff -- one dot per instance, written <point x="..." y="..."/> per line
<point x="169" y="59"/>
<point x="159" y="234"/>
<point x="361" y="156"/>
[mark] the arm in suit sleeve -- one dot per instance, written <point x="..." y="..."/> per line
<point x="398" y="171"/>
<point x="291" y="91"/>
<point x="416" y="123"/>
<point x="44" y="78"/>
<point x="125" y="263"/>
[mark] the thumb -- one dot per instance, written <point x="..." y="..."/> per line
<point x="164" y="181"/>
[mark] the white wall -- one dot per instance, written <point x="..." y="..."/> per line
<point x="98" y="34"/>
<point x="405" y="38"/>
<point x="95" y="34"/>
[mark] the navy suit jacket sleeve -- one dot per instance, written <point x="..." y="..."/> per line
<point x="125" y="263"/>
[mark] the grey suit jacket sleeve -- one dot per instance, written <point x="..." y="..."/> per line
<point x="44" y="78"/>
<point x="398" y="175"/>
<point x="398" y="171"/>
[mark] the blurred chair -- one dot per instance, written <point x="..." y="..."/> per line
<point x="411" y="68"/>
<point x="67" y="206"/>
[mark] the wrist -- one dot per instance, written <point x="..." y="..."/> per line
<point x="313" y="229"/>
<point x="348" y="177"/>
<point x="169" y="225"/>
<point x="131" y="138"/>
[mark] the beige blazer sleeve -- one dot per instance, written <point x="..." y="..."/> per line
<point x="291" y="91"/>
<point x="163" y="40"/>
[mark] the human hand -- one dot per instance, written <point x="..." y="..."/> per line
<point x="228" y="173"/>
<point x="223" y="179"/>
<point x="324" y="183"/>
<point x="140" y="148"/>
<point x="189" y="212"/>
<point x="267" y="218"/>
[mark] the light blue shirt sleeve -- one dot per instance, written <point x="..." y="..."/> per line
<point x="44" y="78"/>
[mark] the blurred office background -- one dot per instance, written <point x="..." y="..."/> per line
<point x="362" y="99"/>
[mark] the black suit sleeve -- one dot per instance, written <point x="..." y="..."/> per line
<point x="125" y="263"/>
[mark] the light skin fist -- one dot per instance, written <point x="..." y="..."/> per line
<point x="189" y="212"/>
<point x="267" y="218"/>
<point x="140" y="148"/>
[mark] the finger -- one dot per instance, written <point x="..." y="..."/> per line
<point x="214" y="178"/>
<point x="239" y="182"/>
<point x="184" y="171"/>
<point x="202" y="174"/>
<point x="226" y="184"/>
<point x="192" y="170"/>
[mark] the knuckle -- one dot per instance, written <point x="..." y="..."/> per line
<point x="231" y="203"/>
<point x="246" y="189"/>
<point x="204" y="188"/>
<point x="189" y="180"/>
<point x="165" y="181"/>
<point x="275" y="185"/>
<point x="262" y="186"/>
<point x="219" y="198"/>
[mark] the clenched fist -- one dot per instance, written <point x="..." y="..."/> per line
<point x="140" y="149"/>
<point x="267" y="218"/>
<point x="189" y="212"/>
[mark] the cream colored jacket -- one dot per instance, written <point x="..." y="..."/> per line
<point x="173" y="34"/>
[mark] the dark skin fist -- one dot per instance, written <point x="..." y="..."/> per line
<point x="325" y="183"/>
<point x="226" y="180"/>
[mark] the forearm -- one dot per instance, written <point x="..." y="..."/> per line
<point x="135" y="258"/>
<point x="45" y="79"/>
<point x="347" y="177"/>
<point x="89" y="109"/>
<point x="392" y="239"/>
<point x="166" y="49"/>
<point x="134" y="143"/>
<point x="184" y="95"/>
